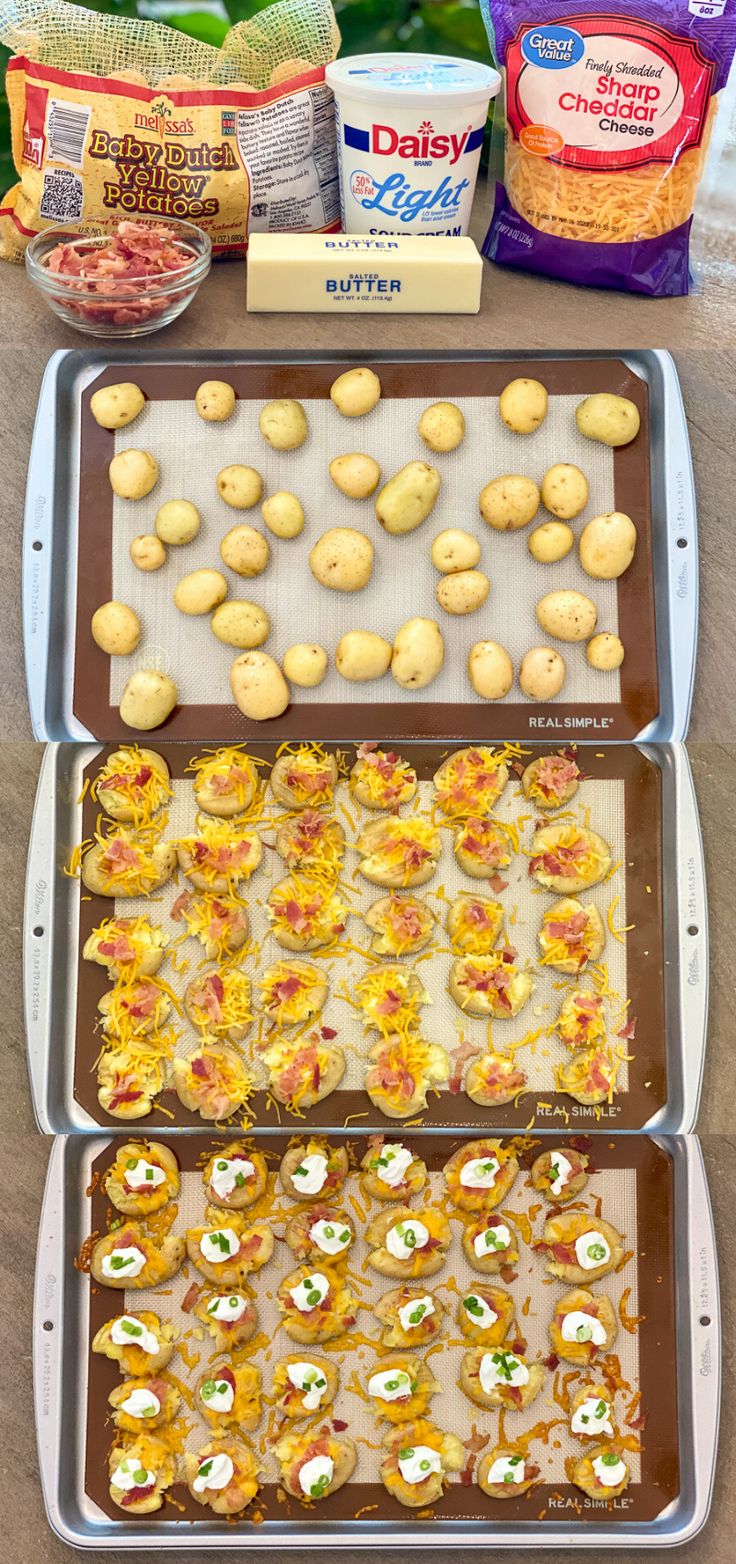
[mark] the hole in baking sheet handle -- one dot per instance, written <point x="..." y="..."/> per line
<point x="37" y="546"/>
<point x="692" y="928"/>
<point x="37" y="932"/>
<point x="47" y="1325"/>
<point x="682" y="543"/>
<point x="705" y="1319"/>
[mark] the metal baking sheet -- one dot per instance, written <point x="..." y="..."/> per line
<point x="77" y="536"/>
<point x="641" y="799"/>
<point x="653" y="1190"/>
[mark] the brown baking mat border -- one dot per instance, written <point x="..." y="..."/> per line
<point x="445" y="377"/>
<point x="655" y="1250"/>
<point x="647" y="1088"/>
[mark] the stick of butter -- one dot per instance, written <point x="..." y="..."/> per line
<point x="389" y="274"/>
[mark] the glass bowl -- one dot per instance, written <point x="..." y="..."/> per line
<point x="126" y="305"/>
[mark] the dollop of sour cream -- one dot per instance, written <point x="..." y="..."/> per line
<point x="219" y="1245"/>
<point x="215" y="1472"/>
<point x="310" y="1292"/>
<point x="229" y="1174"/>
<point x="127" y="1331"/>
<point x="390" y="1385"/>
<point x="393" y="1165"/>
<point x="316" y="1475"/>
<point x="609" y="1472"/>
<point x="480" y="1172"/>
<point x="229" y="1308"/>
<point x="140" y="1174"/>
<point x="506" y="1469"/>
<point x="417" y="1462"/>
<point x="120" y="1263"/>
<point x="492" y="1240"/>
<point x="560" y="1172"/>
<point x="330" y="1237"/>
<point x="311" y="1173"/>
<point x="478" y="1311"/>
<point x="593" y="1416"/>
<point x="130" y="1474"/>
<point x="577" y="1326"/>
<point x="415" y="1312"/>
<point x="592" y="1250"/>
<point x="501" y="1368"/>
<point x="141" y="1403"/>
<point x="218" y="1395"/>
<point x="310" y="1380"/>
<point x="405" y="1237"/>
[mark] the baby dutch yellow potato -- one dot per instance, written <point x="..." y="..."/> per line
<point x="305" y="664"/>
<point x="362" y="655"/>
<point x="147" y="552"/>
<point x="418" y="654"/>
<point x="454" y="550"/>
<point x="342" y="559"/>
<point x="542" y="673"/>
<point x="148" y="699"/>
<point x="567" y="615"/>
<point x="564" y="490"/>
<point x="550" y="542"/>
<point x="214" y="401"/>
<point x="407" y="499"/>
<point x="259" y="688"/>
<point x="245" y="550"/>
<point x="605" y="651"/>
<point x="442" y="426"/>
<point x="177" y="522"/>
<point x="283" y="424"/>
<point x="356" y="392"/>
<point x="462" y="592"/>
<point x="239" y="486"/>
<point x="509" y="503"/>
<point x="613" y="420"/>
<point x="240" y="623"/>
<point x="356" y="475"/>
<point x="116" y="628"/>
<point x="200" y="591"/>
<point x="523" y="405"/>
<point x="490" y="670"/>
<point x="607" y="545"/>
<point x="283" y="514"/>
<point x="133" y="474"/>
<point x="115" y="406"/>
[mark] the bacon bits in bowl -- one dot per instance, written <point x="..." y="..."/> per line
<point x="123" y="279"/>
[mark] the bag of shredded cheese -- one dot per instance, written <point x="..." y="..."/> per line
<point x="610" y="111"/>
<point x="114" y="116"/>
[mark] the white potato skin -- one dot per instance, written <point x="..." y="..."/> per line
<point x="408" y="497"/>
<point x="245" y="550"/>
<point x="362" y="655"/>
<point x="418" y="653"/>
<point x="564" y="490"/>
<point x="283" y="423"/>
<point x="613" y="420"/>
<point x="356" y="392"/>
<point x="113" y="407"/>
<point x="463" y="592"/>
<point x="133" y="474"/>
<point x="567" y="615"/>
<point x="342" y="559"/>
<point x="607" y="545"/>
<point x="177" y="522"/>
<point x="605" y="651"/>
<point x="454" y="550"/>
<point x="283" y="514"/>
<point x="116" y="629"/>
<point x="305" y="664"/>
<point x="442" y="426"/>
<point x="490" y="670"/>
<point x="200" y="591"/>
<point x="214" y="401"/>
<point x="147" y="552"/>
<point x="355" y="475"/>
<point x="523" y="405"/>
<point x="240" y="623"/>
<point x="509" y="503"/>
<point x="550" y="542"/>
<point x="239" y="486"/>
<point x="259" y="688"/>
<point x="542" y="673"/>
<point x="148" y="699"/>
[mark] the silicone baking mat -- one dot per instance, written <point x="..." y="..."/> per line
<point x="621" y="796"/>
<point x="191" y="452"/>
<point x="630" y="1186"/>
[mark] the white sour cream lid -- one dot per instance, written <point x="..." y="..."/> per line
<point x="411" y="79"/>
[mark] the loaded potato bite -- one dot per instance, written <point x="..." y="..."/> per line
<point x="380" y="779"/>
<point x="320" y="1231"/>
<point x="470" y="782"/>
<point x="127" y="947"/>
<point x="474" y="923"/>
<point x="493" y="1079"/>
<point x="402" y="1071"/>
<point x="235" y="1178"/>
<point x="140" y="1474"/>
<point x="602" y="1473"/>
<point x="560" y="1175"/>
<point x="581" y="1022"/>
<point x="551" y="781"/>
<point x="143" y="1178"/>
<point x="590" y="1075"/>
<point x="219" y="856"/>
<point x="571" y="935"/>
<point x="400" y="1388"/>
<point x="505" y="1472"/>
<point x="223" y="1475"/>
<point x="398" y="853"/>
<point x="134" y="1008"/>
<point x="401" y="925"/>
<point x="410" y="1316"/>
<point x="292" y="992"/>
<point x="482" y="847"/>
<point x="406" y="1243"/>
<point x="303" y="1386"/>
<point x="485" y="1315"/>
<point x="314" y="1466"/>
<point x="583" y="1327"/>
<point x="302" y="1071"/>
<point x="418" y="1462"/>
<point x="304" y="777"/>
<point x="230" y="1396"/>
<point x="312" y="1167"/>
<point x="391" y="1171"/>
<point x="130" y="1258"/>
<point x="219" y="1003"/>
<point x="390" y="998"/>
<point x="139" y="1343"/>
<point x="230" y="1317"/>
<point x="567" y="857"/>
<point x="147" y="1402"/>
<point x="126" y="1090"/>
<point x="493" y="1377"/>
<point x="226" y="1255"/>
<point x="316" y="1304"/>
<point x="305" y="913"/>
<point x="592" y="1412"/>
<point x="225" y="782"/>
<point x="311" y="841"/>
<point x="490" y="1245"/>
<point x="220" y="923"/>
<point x="490" y="985"/>
<point x="133" y="785"/>
<point x="213" y="1081"/>
<point x="480" y="1174"/>
<point x="580" y="1247"/>
<point x="120" y="864"/>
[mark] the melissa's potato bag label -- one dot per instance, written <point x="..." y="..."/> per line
<point x="232" y="161"/>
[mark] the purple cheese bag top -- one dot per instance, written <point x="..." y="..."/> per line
<point x="609" y="114"/>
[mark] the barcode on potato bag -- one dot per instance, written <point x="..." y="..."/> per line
<point x="67" y="129"/>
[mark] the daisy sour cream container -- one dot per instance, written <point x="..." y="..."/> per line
<point x="409" y="135"/>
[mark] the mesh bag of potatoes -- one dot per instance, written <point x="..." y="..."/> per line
<point x="117" y="118"/>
